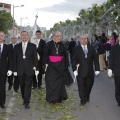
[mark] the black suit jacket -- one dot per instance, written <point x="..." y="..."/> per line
<point x="5" y="58"/>
<point x="40" y="50"/>
<point x="71" y="46"/>
<point x="26" y="65"/>
<point x="86" y="65"/>
<point x="114" y="61"/>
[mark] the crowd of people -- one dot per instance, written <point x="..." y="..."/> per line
<point x="23" y="65"/>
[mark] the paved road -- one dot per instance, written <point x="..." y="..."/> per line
<point x="102" y="105"/>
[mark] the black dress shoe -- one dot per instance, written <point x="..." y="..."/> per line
<point x="83" y="103"/>
<point x="27" y="106"/>
<point x="88" y="100"/>
<point x="2" y="106"/>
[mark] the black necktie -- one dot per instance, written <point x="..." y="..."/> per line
<point x="0" y="51"/>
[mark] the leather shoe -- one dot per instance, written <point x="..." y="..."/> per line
<point x="83" y="103"/>
<point x="27" y="106"/>
<point x="2" y="106"/>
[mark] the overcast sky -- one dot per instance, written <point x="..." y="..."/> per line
<point x="49" y="11"/>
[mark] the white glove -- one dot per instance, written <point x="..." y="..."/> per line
<point x="97" y="72"/>
<point x="15" y="73"/>
<point x="75" y="73"/>
<point x="9" y="73"/>
<point x="36" y="73"/>
<point x="109" y="73"/>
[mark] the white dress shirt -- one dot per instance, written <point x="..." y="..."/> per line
<point x="24" y="46"/>
<point x="38" y="41"/>
<point x="1" y="47"/>
<point x="84" y="47"/>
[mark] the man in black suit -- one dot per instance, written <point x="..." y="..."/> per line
<point x="71" y="46"/>
<point x="85" y="55"/>
<point x="10" y="78"/>
<point x="40" y="44"/>
<point x="25" y="62"/>
<point x="5" y="57"/>
<point x="114" y="67"/>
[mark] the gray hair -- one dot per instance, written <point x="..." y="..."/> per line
<point x="13" y="36"/>
<point x="54" y="33"/>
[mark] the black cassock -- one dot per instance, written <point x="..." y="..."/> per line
<point x="54" y="77"/>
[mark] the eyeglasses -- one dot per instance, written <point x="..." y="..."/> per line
<point x="13" y="38"/>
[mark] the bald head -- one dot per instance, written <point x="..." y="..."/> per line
<point x="57" y="36"/>
<point x="83" y="39"/>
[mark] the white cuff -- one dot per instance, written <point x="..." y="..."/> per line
<point x="9" y="73"/>
<point x="15" y="73"/>
<point x="97" y="72"/>
<point x="109" y="72"/>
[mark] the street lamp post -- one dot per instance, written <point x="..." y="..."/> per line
<point x="13" y="17"/>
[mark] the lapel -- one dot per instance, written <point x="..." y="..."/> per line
<point x="12" y="47"/>
<point x="3" y="51"/>
<point x="88" y="53"/>
<point x="81" y="51"/>
<point x="21" y="52"/>
<point x="40" y="43"/>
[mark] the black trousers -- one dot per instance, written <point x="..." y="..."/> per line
<point x="25" y="86"/>
<point x="16" y="82"/>
<point x="39" y="78"/>
<point x="84" y="87"/>
<point x="117" y="88"/>
<point x="2" y="89"/>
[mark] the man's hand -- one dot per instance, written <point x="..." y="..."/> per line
<point x="15" y="73"/>
<point x="109" y="73"/>
<point x="9" y="73"/>
<point x="75" y="73"/>
<point x="36" y="73"/>
<point x="97" y="72"/>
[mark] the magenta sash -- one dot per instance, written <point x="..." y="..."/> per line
<point x="55" y="58"/>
